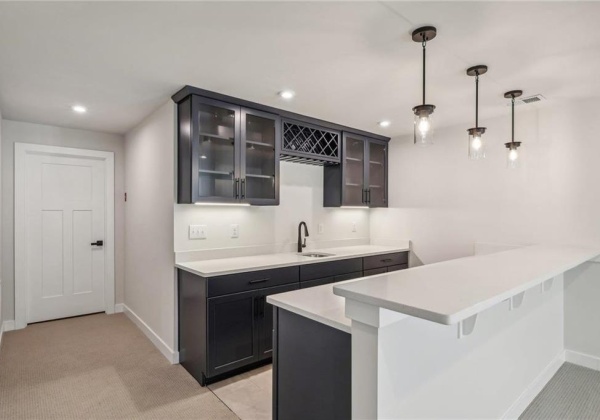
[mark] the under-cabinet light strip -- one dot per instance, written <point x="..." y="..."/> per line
<point x="223" y="204"/>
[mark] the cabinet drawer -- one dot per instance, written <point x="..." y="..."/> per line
<point x="318" y="282"/>
<point x="374" y="271"/>
<point x="397" y="267"/>
<point x="349" y="276"/>
<point x="385" y="260"/>
<point x="241" y="282"/>
<point x="328" y="269"/>
<point x="333" y="279"/>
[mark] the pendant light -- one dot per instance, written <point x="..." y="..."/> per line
<point x="476" y="143"/>
<point x="512" y="156"/>
<point x="423" y="124"/>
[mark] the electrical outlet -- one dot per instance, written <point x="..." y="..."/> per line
<point x="320" y="228"/>
<point x="353" y="226"/>
<point x="197" y="232"/>
<point x="235" y="231"/>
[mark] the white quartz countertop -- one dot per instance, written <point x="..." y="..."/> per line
<point x="316" y="303"/>
<point x="452" y="291"/>
<point x="222" y="266"/>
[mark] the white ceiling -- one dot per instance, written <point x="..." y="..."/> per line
<point x="352" y="63"/>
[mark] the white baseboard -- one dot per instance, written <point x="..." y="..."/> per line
<point x="119" y="308"/>
<point x="517" y="408"/>
<point x="171" y="355"/>
<point x="582" y="359"/>
<point x="6" y="326"/>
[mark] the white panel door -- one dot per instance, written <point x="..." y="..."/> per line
<point x="65" y="215"/>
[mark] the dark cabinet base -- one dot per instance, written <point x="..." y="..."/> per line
<point x="311" y="370"/>
<point x="203" y="381"/>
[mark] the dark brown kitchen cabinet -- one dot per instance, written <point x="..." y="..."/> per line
<point x="227" y="153"/>
<point x="240" y="329"/>
<point x="225" y="322"/>
<point x="361" y="178"/>
<point x="265" y="324"/>
<point x="385" y="263"/>
<point x="377" y="173"/>
<point x="232" y="331"/>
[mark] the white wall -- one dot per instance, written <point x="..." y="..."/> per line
<point x="149" y="262"/>
<point x="1" y="199"/>
<point x="12" y="132"/>
<point x="273" y="228"/>
<point x="582" y="312"/>
<point x="445" y="203"/>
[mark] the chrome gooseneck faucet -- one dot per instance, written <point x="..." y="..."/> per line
<point x="302" y="244"/>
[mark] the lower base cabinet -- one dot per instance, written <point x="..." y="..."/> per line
<point x="226" y="324"/>
<point x="222" y="334"/>
<point x="240" y="329"/>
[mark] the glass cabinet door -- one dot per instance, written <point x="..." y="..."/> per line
<point x="217" y="157"/>
<point x="260" y="157"/>
<point x="377" y="195"/>
<point x="353" y="182"/>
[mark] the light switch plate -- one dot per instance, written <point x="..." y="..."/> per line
<point x="235" y="231"/>
<point x="353" y="226"/>
<point x="320" y="228"/>
<point x="197" y="232"/>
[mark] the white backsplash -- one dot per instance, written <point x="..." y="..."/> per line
<point x="270" y="229"/>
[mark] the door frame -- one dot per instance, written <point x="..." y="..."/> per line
<point x="22" y="150"/>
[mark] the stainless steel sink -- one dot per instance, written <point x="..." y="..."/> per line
<point x="315" y="254"/>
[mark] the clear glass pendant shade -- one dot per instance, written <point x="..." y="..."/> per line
<point x="513" y="158"/>
<point x="423" y="126"/>
<point x="476" y="143"/>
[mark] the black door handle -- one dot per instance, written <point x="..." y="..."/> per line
<point x="259" y="280"/>
<point x="236" y="188"/>
<point x="97" y="243"/>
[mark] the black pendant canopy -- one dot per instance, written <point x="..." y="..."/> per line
<point x="424" y="34"/>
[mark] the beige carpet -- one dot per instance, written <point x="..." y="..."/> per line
<point x="97" y="366"/>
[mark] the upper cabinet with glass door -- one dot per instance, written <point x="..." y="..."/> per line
<point x="377" y="170"/>
<point x="227" y="154"/>
<point x="261" y="132"/>
<point x="354" y="181"/>
<point x="361" y="179"/>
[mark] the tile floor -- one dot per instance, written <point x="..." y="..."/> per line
<point x="248" y="395"/>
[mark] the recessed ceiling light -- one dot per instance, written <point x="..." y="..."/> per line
<point x="80" y="109"/>
<point x="287" y="94"/>
<point x="384" y="123"/>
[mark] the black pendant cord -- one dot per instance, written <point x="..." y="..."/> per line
<point x="477" y="100"/>
<point x="512" y="136"/>
<point x="424" y="43"/>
